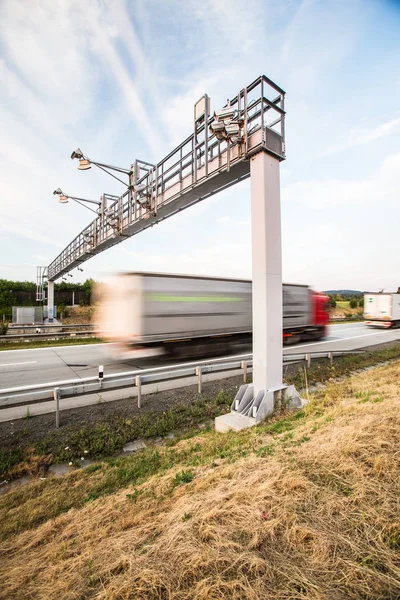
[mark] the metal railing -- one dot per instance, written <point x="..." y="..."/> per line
<point x="200" y="166"/>
<point x="53" y="326"/>
<point x="14" y="337"/>
<point x="57" y="390"/>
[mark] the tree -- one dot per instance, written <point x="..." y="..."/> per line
<point x="361" y="303"/>
<point x="353" y="303"/>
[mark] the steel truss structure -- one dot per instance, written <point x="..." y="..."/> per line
<point x="41" y="276"/>
<point x="199" y="167"/>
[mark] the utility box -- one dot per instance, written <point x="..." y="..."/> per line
<point x="30" y="315"/>
<point x="27" y="315"/>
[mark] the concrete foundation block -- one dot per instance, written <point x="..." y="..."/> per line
<point x="233" y="421"/>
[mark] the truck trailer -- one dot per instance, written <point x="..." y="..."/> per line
<point x="192" y="316"/>
<point x="382" y="310"/>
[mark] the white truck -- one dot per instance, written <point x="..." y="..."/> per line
<point x="188" y="315"/>
<point x="382" y="310"/>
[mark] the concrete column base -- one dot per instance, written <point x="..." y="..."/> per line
<point x="250" y="407"/>
<point x="233" y="421"/>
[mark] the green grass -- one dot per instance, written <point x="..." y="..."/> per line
<point x="11" y="345"/>
<point x="343" y="304"/>
<point x="107" y="438"/>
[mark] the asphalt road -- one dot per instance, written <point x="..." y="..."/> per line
<point x="25" y="367"/>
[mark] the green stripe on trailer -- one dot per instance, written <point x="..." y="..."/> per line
<point x="169" y="298"/>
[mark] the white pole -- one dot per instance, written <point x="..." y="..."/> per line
<point x="267" y="273"/>
<point x="50" y="300"/>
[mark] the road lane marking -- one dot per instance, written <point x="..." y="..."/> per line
<point x="341" y="340"/>
<point x="52" y="348"/>
<point x="29" y="362"/>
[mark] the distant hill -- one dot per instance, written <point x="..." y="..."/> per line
<point x="345" y="292"/>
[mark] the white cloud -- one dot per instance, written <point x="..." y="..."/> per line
<point x="46" y="44"/>
<point x="343" y="233"/>
<point x="107" y="28"/>
<point x="15" y="226"/>
<point x="337" y="194"/>
<point x="359" y="138"/>
<point x="229" y="259"/>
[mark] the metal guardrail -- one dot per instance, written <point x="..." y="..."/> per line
<point x="37" y="336"/>
<point x="53" y="326"/>
<point x="56" y="390"/>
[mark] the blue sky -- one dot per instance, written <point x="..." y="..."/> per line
<point x="119" y="78"/>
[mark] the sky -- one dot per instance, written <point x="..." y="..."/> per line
<point x="119" y="78"/>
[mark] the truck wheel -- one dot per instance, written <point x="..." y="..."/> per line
<point x="293" y="339"/>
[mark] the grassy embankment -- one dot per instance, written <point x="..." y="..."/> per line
<point x="106" y="436"/>
<point x="343" y="312"/>
<point x="49" y="343"/>
<point x="301" y="507"/>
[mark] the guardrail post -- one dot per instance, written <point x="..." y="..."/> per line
<point x="330" y="356"/>
<point x="138" y="383"/>
<point x="243" y="365"/>
<point x="308" y="360"/>
<point x="56" y="396"/>
<point x="199" y="375"/>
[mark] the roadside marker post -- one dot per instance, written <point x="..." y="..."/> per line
<point x="199" y="377"/>
<point x="57" y="396"/>
<point x="101" y="374"/>
<point x="138" y="382"/>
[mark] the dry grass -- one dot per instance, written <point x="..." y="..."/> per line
<point x="79" y="314"/>
<point x="310" y="513"/>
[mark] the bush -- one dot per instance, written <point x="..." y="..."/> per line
<point x="3" y="328"/>
<point x="353" y="303"/>
<point x="361" y="303"/>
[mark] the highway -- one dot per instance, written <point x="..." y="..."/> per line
<point x="41" y="365"/>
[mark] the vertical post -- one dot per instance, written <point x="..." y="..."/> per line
<point x="330" y="356"/>
<point x="56" y="396"/>
<point x="102" y="213"/>
<point x="308" y="360"/>
<point x="267" y="274"/>
<point x="101" y="375"/>
<point x="73" y="299"/>
<point x="243" y="365"/>
<point x="199" y="376"/>
<point x="50" y="301"/>
<point x="138" y="383"/>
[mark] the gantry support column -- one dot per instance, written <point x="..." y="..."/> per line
<point x="254" y="402"/>
<point x="267" y="273"/>
<point x="50" y="301"/>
